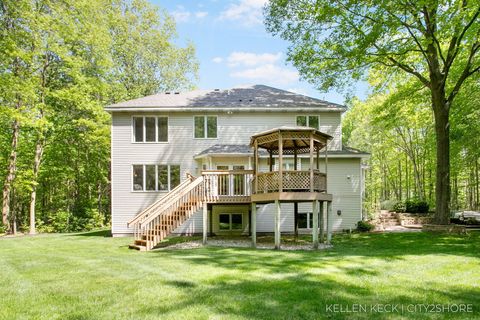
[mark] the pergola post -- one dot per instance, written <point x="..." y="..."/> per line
<point x="326" y="165"/>
<point x="315" y="224"/>
<point x="277" y="224"/>
<point x="280" y="162"/>
<point x="311" y="161"/>
<point x="205" y="222"/>
<point x="253" y="227"/>
<point x="329" y="222"/>
<point x="255" y="153"/>
<point x="321" y="221"/>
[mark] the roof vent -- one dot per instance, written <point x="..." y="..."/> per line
<point x="216" y="90"/>
<point x="240" y="100"/>
<point x="250" y="100"/>
<point x="168" y="92"/>
<point x="177" y="92"/>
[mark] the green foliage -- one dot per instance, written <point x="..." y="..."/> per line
<point x="365" y="226"/>
<point x="61" y="62"/>
<point x="416" y="206"/>
<point x="388" y="205"/>
<point x="400" y="207"/>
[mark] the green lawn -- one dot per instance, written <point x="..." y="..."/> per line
<point x="89" y="276"/>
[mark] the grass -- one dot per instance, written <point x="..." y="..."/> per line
<point x="90" y="276"/>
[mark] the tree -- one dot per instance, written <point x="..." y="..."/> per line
<point x="61" y="62"/>
<point x="437" y="42"/>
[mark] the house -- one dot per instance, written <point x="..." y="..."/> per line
<point x="190" y="163"/>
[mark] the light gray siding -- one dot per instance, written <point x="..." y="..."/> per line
<point x="233" y="128"/>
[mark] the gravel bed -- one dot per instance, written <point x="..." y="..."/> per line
<point x="241" y="244"/>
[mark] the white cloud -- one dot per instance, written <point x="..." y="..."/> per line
<point x="250" y="59"/>
<point x="201" y="14"/>
<point x="248" y="12"/>
<point x="183" y="15"/>
<point x="217" y="59"/>
<point x="268" y="74"/>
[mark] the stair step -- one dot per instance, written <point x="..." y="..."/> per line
<point x="137" y="247"/>
<point x="141" y="242"/>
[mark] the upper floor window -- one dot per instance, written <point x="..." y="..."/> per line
<point x="205" y="127"/>
<point x="308" y="121"/>
<point x="150" y="129"/>
<point x="151" y="177"/>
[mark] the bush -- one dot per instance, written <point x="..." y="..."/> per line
<point x="364" y="226"/>
<point x="3" y="229"/>
<point x="416" y="206"/>
<point x="399" y="207"/>
<point x="387" y="205"/>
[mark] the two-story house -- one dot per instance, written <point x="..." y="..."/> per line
<point x="157" y="140"/>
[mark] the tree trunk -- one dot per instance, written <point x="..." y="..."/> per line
<point x="442" y="131"/>
<point x="11" y="171"/>
<point x="33" y="195"/>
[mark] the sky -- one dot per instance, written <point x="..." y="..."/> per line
<point x="234" y="49"/>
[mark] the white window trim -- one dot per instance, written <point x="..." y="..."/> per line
<point x="205" y="127"/>
<point x="309" y="214"/>
<point x="308" y="121"/>
<point x="144" y="179"/>
<point x="144" y="130"/>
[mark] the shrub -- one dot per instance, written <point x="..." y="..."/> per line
<point x="364" y="226"/>
<point x="416" y="206"/>
<point x="422" y="207"/>
<point x="399" y="207"/>
<point x="387" y="205"/>
<point x="3" y="229"/>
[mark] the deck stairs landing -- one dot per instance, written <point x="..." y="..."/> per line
<point x="160" y="219"/>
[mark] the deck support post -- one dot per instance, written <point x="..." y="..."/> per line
<point x="277" y="224"/>
<point x="205" y="223"/>
<point x="315" y="224"/>
<point x="321" y="221"/>
<point x="295" y="220"/>
<point x="329" y="222"/>
<point x="253" y="227"/>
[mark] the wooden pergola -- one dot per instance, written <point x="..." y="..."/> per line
<point x="291" y="185"/>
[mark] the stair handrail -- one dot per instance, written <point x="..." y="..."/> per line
<point x="198" y="181"/>
<point x="147" y="210"/>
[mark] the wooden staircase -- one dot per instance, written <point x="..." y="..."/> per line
<point x="157" y="221"/>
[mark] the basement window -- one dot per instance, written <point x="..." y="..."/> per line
<point x="230" y="221"/>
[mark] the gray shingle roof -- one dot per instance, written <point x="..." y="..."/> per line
<point x="242" y="98"/>
<point x="244" y="149"/>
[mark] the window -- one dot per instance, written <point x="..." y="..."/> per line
<point x="287" y="164"/>
<point x="150" y="129"/>
<point x="205" y="127"/>
<point x="230" y="221"/>
<point x="305" y="220"/>
<point x="308" y="121"/>
<point x="152" y="177"/>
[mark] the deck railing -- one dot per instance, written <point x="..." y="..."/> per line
<point x="292" y="180"/>
<point x="227" y="185"/>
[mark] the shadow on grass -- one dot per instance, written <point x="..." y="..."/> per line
<point x="280" y="287"/>
<point x="96" y="233"/>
